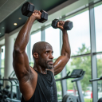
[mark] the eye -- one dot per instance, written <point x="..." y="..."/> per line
<point x="47" y="52"/>
<point x="52" y="52"/>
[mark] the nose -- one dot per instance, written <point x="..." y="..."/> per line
<point x="51" y="56"/>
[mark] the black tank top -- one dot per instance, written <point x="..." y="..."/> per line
<point x="45" y="90"/>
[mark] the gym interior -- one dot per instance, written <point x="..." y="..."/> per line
<point x="85" y="42"/>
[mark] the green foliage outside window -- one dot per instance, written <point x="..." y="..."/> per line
<point x="82" y="63"/>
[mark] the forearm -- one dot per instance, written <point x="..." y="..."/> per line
<point x="66" y="46"/>
<point x="23" y="36"/>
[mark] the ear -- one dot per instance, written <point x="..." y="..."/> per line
<point x="35" y="55"/>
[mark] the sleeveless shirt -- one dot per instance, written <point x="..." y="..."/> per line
<point x="45" y="90"/>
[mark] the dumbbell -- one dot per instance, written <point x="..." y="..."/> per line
<point x="7" y="87"/>
<point x="28" y="8"/>
<point x="67" y="26"/>
<point x="13" y="94"/>
<point x="5" y="91"/>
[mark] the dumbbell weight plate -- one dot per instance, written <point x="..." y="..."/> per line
<point x="27" y="9"/>
<point x="54" y="23"/>
<point x="44" y="16"/>
<point x="68" y="25"/>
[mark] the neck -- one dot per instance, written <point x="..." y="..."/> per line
<point x="39" y="69"/>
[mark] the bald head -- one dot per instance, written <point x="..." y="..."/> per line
<point x="39" y="46"/>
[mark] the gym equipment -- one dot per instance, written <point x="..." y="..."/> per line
<point x="96" y="79"/>
<point x="28" y="8"/>
<point x="67" y="26"/>
<point x="78" y="74"/>
<point x="10" y="96"/>
<point x="7" y="94"/>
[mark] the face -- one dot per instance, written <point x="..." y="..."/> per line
<point x="46" y="57"/>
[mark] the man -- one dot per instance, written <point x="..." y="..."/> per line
<point x="37" y="84"/>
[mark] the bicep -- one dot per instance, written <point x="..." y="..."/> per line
<point x="60" y="64"/>
<point x="21" y="64"/>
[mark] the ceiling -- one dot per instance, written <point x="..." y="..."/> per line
<point x="10" y="12"/>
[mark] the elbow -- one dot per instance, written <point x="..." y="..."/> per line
<point x="68" y="56"/>
<point x="66" y="53"/>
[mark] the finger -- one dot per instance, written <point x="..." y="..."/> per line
<point x="39" y="12"/>
<point x="61" y="27"/>
<point x="61" y="22"/>
<point x="58" y="24"/>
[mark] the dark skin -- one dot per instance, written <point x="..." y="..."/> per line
<point x="26" y="75"/>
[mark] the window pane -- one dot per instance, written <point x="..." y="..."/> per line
<point x="2" y="61"/>
<point x="99" y="72"/>
<point x="59" y="87"/>
<point x="52" y="37"/>
<point x="36" y="37"/>
<point x="98" y="23"/>
<point x="2" y="56"/>
<point x="80" y="34"/>
<point x="85" y="64"/>
<point x="2" y="72"/>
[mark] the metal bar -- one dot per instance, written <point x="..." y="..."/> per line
<point x="43" y="34"/>
<point x="9" y="79"/>
<point x="63" y="82"/>
<point x="13" y="100"/>
<point x="29" y="49"/>
<point x="96" y="79"/>
<point x="93" y="50"/>
<point x="81" y="98"/>
<point x="88" y="54"/>
<point x="11" y="90"/>
<point x="18" y="92"/>
<point x="63" y="73"/>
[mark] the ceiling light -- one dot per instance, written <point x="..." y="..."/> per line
<point x="15" y="24"/>
<point x="19" y="18"/>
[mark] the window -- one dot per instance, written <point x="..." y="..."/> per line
<point x="59" y="87"/>
<point x="79" y="35"/>
<point x="2" y="61"/>
<point x="85" y="64"/>
<point x="99" y="72"/>
<point x="36" y="37"/>
<point x="52" y="36"/>
<point x="98" y="23"/>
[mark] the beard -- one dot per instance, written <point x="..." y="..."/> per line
<point x="50" y="67"/>
<point x="45" y="64"/>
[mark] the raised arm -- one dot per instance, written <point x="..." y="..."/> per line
<point x="20" y="59"/>
<point x="65" y="52"/>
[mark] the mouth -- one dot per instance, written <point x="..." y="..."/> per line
<point x="50" y="62"/>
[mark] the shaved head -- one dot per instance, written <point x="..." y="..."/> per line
<point x="39" y="46"/>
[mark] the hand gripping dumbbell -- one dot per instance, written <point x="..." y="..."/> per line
<point x="67" y="26"/>
<point x="28" y="8"/>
